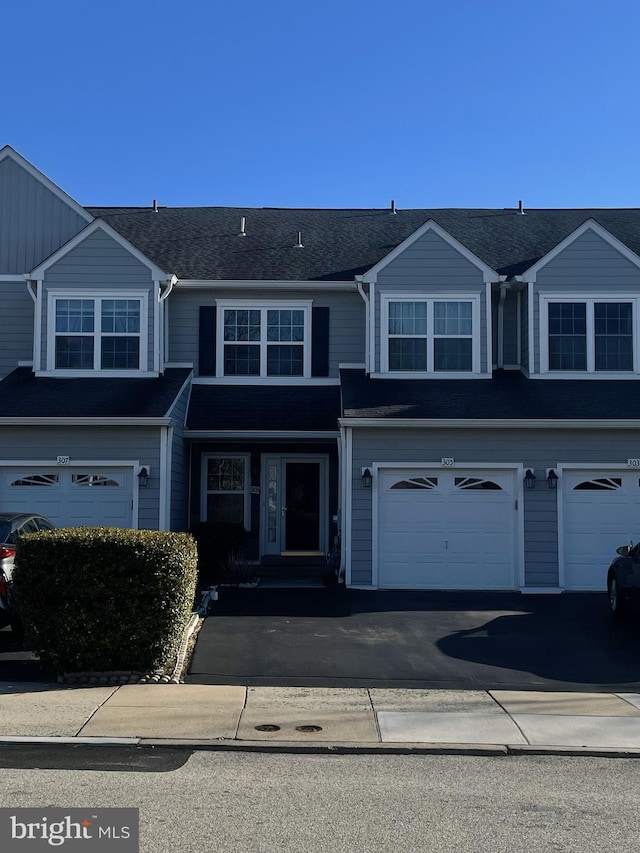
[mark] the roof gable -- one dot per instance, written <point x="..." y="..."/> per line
<point x="488" y="273"/>
<point x="98" y="225"/>
<point x="589" y="225"/>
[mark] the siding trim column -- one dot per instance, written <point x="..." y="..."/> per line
<point x="164" y="502"/>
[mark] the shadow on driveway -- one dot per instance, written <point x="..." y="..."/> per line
<point x="453" y="640"/>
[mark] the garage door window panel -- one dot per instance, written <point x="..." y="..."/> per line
<point x="602" y="484"/>
<point x="38" y="480"/>
<point x="476" y="484"/>
<point x="417" y="483"/>
<point x="93" y="480"/>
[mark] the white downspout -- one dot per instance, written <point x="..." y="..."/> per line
<point x="367" y="354"/>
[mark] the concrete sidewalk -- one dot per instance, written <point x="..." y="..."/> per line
<point x="339" y="719"/>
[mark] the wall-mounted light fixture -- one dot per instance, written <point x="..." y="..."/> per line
<point x="367" y="478"/>
<point x="552" y="478"/>
<point x="529" y="479"/>
<point x="143" y="477"/>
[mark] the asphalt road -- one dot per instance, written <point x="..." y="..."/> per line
<point x="453" y="640"/>
<point x="262" y="803"/>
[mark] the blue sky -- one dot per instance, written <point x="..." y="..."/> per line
<point x="320" y="103"/>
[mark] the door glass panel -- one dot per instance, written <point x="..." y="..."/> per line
<point x="272" y="503"/>
<point x="303" y="506"/>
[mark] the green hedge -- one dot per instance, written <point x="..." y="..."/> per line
<point x="98" y="598"/>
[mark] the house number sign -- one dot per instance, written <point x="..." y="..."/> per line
<point x="63" y="460"/>
<point x="633" y="463"/>
<point x="448" y="461"/>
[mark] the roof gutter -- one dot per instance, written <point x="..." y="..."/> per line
<point x="44" y="421"/>
<point x="490" y="423"/>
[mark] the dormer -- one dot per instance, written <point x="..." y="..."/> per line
<point x="429" y="309"/>
<point x="583" y="308"/>
<point x="99" y="308"/>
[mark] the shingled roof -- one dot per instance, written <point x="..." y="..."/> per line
<point x="27" y="396"/>
<point x="202" y="242"/>
<point x="507" y="396"/>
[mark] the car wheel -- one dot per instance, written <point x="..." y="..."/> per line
<point x="616" y="605"/>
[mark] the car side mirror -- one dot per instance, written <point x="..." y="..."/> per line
<point x="623" y="550"/>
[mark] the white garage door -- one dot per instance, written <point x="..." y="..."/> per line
<point x="446" y="529"/>
<point x="601" y="510"/>
<point x="70" y="496"/>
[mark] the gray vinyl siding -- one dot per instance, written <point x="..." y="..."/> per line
<point x="589" y="266"/>
<point x="179" y="475"/>
<point x="511" y="356"/>
<point x="16" y="334"/>
<point x="346" y="320"/>
<point x="34" y="221"/>
<point x="431" y="266"/>
<point x="536" y="449"/>
<point x="98" y="264"/>
<point x="136" y="443"/>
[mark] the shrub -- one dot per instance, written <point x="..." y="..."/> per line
<point x="216" y="543"/>
<point x="98" y="598"/>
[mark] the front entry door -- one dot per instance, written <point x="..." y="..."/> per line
<point x="302" y="510"/>
<point x="293" y="506"/>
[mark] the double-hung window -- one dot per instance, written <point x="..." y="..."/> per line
<point x="225" y="491"/>
<point x="264" y="340"/>
<point x="594" y="335"/>
<point x="429" y="335"/>
<point x="97" y="333"/>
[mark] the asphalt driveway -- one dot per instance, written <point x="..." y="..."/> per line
<point x="453" y="640"/>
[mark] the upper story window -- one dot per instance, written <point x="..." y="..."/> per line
<point x="262" y="340"/>
<point x="430" y="335"/>
<point x="97" y="333"/>
<point x="595" y="335"/>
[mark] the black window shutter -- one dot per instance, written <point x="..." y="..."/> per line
<point x="207" y="341"/>
<point x="320" y="342"/>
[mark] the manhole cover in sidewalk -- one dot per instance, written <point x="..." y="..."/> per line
<point x="308" y="728"/>
<point x="267" y="727"/>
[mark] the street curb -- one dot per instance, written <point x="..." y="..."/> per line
<point x="84" y="741"/>
<point x="328" y="748"/>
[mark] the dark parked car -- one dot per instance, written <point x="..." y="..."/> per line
<point x="623" y="580"/>
<point x="13" y="525"/>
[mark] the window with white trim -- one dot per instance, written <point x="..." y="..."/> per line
<point x="259" y="340"/>
<point x="226" y="489"/>
<point x="594" y="335"/>
<point x="97" y="333"/>
<point x="430" y="335"/>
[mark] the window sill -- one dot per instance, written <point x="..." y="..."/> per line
<point x="399" y="374"/>
<point x="97" y="374"/>
<point x="584" y="374"/>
